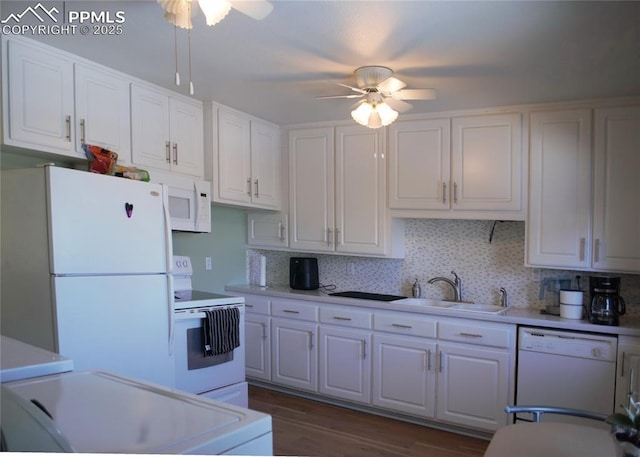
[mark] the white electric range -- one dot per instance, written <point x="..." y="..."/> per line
<point x="220" y="377"/>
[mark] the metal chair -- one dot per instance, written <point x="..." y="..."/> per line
<point x="538" y="411"/>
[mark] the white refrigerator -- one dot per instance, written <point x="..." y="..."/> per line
<point x="86" y="263"/>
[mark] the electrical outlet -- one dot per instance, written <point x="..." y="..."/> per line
<point x="351" y="268"/>
<point x="207" y="263"/>
<point x="536" y="274"/>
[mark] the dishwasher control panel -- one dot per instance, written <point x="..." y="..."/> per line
<point x="583" y="345"/>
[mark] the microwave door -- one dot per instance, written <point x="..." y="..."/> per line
<point x="181" y="209"/>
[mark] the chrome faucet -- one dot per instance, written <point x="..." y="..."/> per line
<point x="503" y="298"/>
<point x="456" y="284"/>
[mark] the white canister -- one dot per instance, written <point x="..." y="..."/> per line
<point x="571" y="297"/>
<point x="570" y="311"/>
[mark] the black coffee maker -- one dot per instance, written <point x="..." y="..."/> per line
<point x="605" y="303"/>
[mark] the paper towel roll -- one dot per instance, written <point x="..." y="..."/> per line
<point x="263" y="271"/>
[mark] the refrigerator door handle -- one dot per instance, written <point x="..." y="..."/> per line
<point x="167" y="230"/>
<point x="170" y="298"/>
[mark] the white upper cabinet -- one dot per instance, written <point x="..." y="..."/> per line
<point x="103" y="115"/>
<point x="246" y="162"/>
<point x="461" y="167"/>
<point x="486" y="163"/>
<point x="616" y="217"/>
<point x="337" y="180"/>
<point x="559" y="220"/>
<point x="572" y="224"/>
<point x="360" y="178"/>
<point x="311" y="189"/>
<point x="38" y="98"/>
<point x="166" y="131"/>
<point x="419" y="164"/>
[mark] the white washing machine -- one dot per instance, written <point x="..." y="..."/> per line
<point x="100" y="412"/>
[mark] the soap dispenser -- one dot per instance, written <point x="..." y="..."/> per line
<point x="416" y="289"/>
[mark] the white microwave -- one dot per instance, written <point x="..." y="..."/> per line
<point x="189" y="202"/>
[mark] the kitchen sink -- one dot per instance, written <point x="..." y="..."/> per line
<point x="460" y="306"/>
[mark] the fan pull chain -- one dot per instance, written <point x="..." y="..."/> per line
<point x="175" y="49"/>
<point x="189" y="37"/>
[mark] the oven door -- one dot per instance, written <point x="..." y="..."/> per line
<point x="195" y="372"/>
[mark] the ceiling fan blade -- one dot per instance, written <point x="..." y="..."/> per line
<point x="415" y="94"/>
<point x="391" y="85"/>
<point x="398" y="105"/>
<point x="256" y="9"/>
<point x="356" y="89"/>
<point x="340" y="96"/>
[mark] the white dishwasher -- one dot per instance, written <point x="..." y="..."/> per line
<point x="565" y="369"/>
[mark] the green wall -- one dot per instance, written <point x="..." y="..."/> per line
<point x="225" y="245"/>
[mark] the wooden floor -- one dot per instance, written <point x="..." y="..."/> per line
<point x="304" y="427"/>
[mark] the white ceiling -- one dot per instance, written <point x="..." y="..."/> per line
<point x="476" y="54"/>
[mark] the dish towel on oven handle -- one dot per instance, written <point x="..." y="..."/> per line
<point x="221" y="331"/>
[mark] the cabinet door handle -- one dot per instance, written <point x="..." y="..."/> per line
<point x="175" y="153"/>
<point x="440" y="362"/>
<point x="455" y="192"/>
<point x="470" y="335"/>
<point x="290" y="311"/>
<point x="329" y="237"/>
<point x="364" y="349"/>
<point x="247" y="305"/>
<point x="428" y="359"/>
<point x="401" y="326"/>
<point x="167" y="151"/>
<point x="340" y="318"/>
<point x="582" y="246"/>
<point x="257" y="194"/>
<point x="444" y="192"/>
<point x="249" y="187"/>
<point x="82" y="131"/>
<point x="310" y="340"/>
<point x="264" y="331"/>
<point x="281" y="230"/>
<point x="596" y="250"/>
<point x="67" y="124"/>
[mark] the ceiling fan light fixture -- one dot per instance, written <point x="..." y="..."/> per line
<point x="214" y="10"/>
<point x="374" y="115"/>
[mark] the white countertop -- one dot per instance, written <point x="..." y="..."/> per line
<point x="521" y="316"/>
<point x="20" y="360"/>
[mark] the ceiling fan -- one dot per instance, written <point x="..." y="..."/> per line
<point x="178" y="12"/>
<point x="381" y="94"/>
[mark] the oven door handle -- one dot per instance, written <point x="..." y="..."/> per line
<point x="185" y="316"/>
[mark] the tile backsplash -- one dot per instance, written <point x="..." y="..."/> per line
<point x="435" y="247"/>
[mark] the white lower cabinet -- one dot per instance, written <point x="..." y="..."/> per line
<point x="404" y="374"/>
<point x="473" y="386"/>
<point x="257" y="337"/>
<point x="345" y="353"/>
<point x="449" y="370"/>
<point x="294" y="347"/>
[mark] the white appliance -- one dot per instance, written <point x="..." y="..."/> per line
<point x="220" y="377"/>
<point x="554" y="367"/>
<point x="19" y="360"/>
<point x="189" y="202"/>
<point x="85" y="269"/>
<point x="100" y="412"/>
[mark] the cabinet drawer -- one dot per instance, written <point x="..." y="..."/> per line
<point x="257" y="304"/>
<point x="294" y="310"/>
<point x="346" y="317"/>
<point x="405" y="324"/>
<point x="484" y="334"/>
